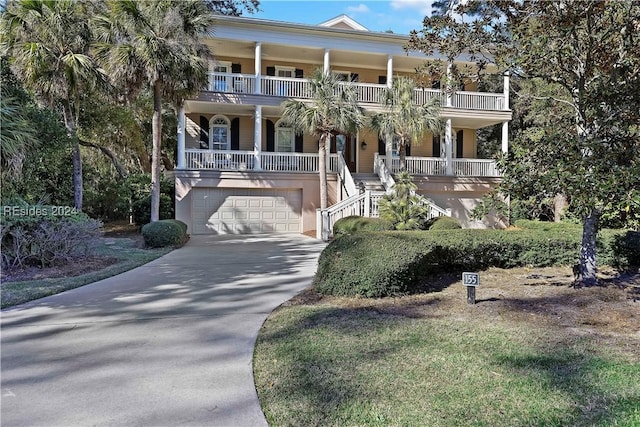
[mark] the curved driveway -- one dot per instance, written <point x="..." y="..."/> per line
<point x="168" y="343"/>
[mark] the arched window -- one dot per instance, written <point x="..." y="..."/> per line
<point x="219" y="133"/>
<point x="285" y="138"/>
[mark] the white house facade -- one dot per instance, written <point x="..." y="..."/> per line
<point x="240" y="169"/>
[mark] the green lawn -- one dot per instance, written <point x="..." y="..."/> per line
<point x="428" y="361"/>
<point x="124" y="250"/>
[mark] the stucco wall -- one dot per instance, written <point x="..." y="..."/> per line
<point x="461" y="195"/>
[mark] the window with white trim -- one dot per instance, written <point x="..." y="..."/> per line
<point x="285" y="138"/>
<point x="219" y="133"/>
<point x="285" y="71"/>
<point x="342" y="76"/>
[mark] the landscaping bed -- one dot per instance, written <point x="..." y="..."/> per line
<point x="120" y="249"/>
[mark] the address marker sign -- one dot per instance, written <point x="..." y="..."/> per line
<point x="471" y="281"/>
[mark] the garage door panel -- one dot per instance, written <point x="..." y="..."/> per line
<point x="243" y="211"/>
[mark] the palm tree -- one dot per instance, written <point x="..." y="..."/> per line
<point x="331" y="107"/>
<point x="403" y="118"/>
<point x="156" y="45"/>
<point x="49" y="44"/>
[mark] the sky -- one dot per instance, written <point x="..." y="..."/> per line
<point x="399" y="16"/>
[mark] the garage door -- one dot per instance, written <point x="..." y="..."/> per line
<point x="244" y="211"/>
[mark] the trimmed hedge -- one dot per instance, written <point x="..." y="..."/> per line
<point x="443" y="223"/>
<point x="166" y="232"/>
<point x="377" y="264"/>
<point x="354" y="224"/>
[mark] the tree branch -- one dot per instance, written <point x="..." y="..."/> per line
<point x="119" y="168"/>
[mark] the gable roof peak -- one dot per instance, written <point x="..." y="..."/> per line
<point x="344" y="22"/>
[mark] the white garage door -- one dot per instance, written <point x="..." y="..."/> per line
<point x="246" y="210"/>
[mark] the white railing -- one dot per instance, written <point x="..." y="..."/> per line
<point x="369" y="92"/>
<point x="438" y="166"/>
<point x="232" y="82"/>
<point x="345" y="177"/>
<point x="362" y="204"/>
<point x="478" y="101"/>
<point x="420" y="165"/>
<point x="475" y="167"/>
<point x="422" y="96"/>
<point x="235" y="160"/>
<point x="290" y="87"/>
<point x="380" y="168"/>
<point x="219" y="160"/>
<point x="286" y="87"/>
<point x="434" y="210"/>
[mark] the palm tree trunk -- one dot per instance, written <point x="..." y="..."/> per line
<point x="587" y="265"/>
<point x="322" y="165"/>
<point x="402" y="152"/>
<point x="156" y="127"/>
<point x="70" y="124"/>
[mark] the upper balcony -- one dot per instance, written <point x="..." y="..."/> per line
<point x="367" y="93"/>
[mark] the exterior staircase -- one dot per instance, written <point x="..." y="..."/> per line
<point x="371" y="181"/>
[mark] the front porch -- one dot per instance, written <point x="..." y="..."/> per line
<point x="236" y="160"/>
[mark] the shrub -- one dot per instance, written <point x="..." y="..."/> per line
<point x="393" y="263"/>
<point x="443" y="223"/>
<point x="403" y="208"/>
<point x="166" y="232"/>
<point x="45" y="239"/>
<point x="377" y="264"/>
<point x="355" y="224"/>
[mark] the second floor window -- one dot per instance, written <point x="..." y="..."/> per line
<point x="219" y="135"/>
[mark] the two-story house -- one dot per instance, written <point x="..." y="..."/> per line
<point x="241" y="170"/>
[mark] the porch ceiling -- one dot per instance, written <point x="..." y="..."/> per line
<point x="205" y="107"/>
<point x="345" y="59"/>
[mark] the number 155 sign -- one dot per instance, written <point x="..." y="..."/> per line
<point x="470" y="279"/>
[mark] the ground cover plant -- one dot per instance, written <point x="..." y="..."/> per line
<point x="531" y="352"/>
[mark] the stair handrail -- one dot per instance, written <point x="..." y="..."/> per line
<point x="380" y="168"/>
<point x="326" y="218"/>
<point x="346" y="178"/>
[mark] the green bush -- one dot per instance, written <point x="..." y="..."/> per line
<point x="166" y="232"/>
<point x="45" y="236"/>
<point x="443" y="223"/>
<point x="355" y="224"/>
<point x="377" y="264"/>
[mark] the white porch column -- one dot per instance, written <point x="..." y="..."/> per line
<point x="505" y="137"/>
<point x="326" y="66"/>
<point x="505" y="90"/>
<point x="181" y="137"/>
<point x="257" y="137"/>
<point x="389" y="70"/>
<point x="388" y="152"/>
<point x="449" y="86"/>
<point x="258" y="69"/>
<point x="448" y="148"/>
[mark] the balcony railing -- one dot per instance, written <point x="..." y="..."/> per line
<point x="435" y="166"/>
<point x="233" y="160"/>
<point x="288" y="87"/>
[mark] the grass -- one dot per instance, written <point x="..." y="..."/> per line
<point x="536" y="355"/>
<point x="127" y="256"/>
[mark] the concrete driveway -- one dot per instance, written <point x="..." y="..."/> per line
<point x="169" y="343"/>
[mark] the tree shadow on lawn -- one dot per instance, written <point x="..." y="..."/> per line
<point x="567" y="356"/>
